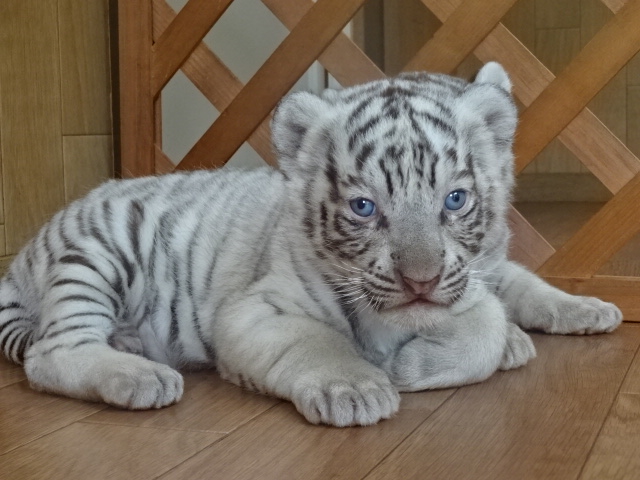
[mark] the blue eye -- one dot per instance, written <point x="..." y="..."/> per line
<point x="363" y="207"/>
<point x="455" y="200"/>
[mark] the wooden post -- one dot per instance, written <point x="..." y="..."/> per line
<point x="137" y="125"/>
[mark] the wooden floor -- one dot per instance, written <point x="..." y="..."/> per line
<point x="573" y="412"/>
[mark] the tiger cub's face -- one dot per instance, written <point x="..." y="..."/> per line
<point x="404" y="184"/>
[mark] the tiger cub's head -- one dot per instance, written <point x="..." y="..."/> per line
<point x="402" y="185"/>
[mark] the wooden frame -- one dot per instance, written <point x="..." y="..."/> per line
<point x="155" y="42"/>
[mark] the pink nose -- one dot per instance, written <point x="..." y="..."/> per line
<point x="421" y="288"/>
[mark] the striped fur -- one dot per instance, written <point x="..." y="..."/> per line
<point x="276" y="279"/>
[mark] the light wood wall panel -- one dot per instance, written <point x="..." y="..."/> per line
<point x="3" y="244"/>
<point x="559" y="14"/>
<point x="1" y="181"/>
<point x="633" y="118"/>
<point x="88" y="161"/>
<point x="85" y="68"/>
<point x="31" y="127"/>
<point x="633" y="71"/>
<point x="55" y="104"/>
<point x="519" y="21"/>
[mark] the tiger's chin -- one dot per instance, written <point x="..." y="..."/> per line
<point x="417" y="314"/>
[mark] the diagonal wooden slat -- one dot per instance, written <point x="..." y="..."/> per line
<point x="600" y="238"/>
<point x="447" y="49"/>
<point x="528" y="247"/>
<point x="342" y="58"/>
<point x="622" y="291"/>
<point x="597" y="63"/>
<point x="181" y="37"/>
<point x="600" y="151"/>
<point x="614" y="5"/>
<point x="163" y="163"/>
<point x="216" y="82"/>
<point x="274" y="79"/>
<point x="587" y="137"/>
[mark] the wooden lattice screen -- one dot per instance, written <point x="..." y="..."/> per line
<point x="155" y="43"/>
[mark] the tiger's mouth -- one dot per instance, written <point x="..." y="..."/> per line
<point x="416" y="303"/>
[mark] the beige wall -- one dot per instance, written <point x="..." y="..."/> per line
<point x="55" y="110"/>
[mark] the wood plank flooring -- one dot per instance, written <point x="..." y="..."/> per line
<point x="572" y="413"/>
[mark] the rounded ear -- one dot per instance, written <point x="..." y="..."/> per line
<point x="488" y="101"/>
<point x="492" y="72"/>
<point x="294" y="116"/>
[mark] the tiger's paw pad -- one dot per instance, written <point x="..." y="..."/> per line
<point x="141" y="385"/>
<point x="587" y="316"/>
<point x="519" y="349"/>
<point x="343" y="403"/>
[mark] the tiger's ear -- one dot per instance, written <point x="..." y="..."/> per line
<point x="292" y="121"/>
<point x="492" y="72"/>
<point x="487" y="103"/>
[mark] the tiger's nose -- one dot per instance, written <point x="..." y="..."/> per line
<point x="420" y="287"/>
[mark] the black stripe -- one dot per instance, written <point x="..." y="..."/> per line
<point x="47" y="246"/>
<point x="24" y="344"/>
<point x="82" y="227"/>
<point x="11" y="322"/>
<point x="432" y="178"/>
<point x="387" y="177"/>
<point x="10" y="306"/>
<point x="64" y="330"/>
<point x="20" y="335"/>
<point x="357" y="112"/>
<point x="88" y="341"/>
<point x="331" y="172"/>
<point x="17" y="330"/>
<point x="68" y="243"/>
<point x="382" y="223"/>
<point x="81" y="283"/>
<point x="78" y="260"/>
<point x="86" y="314"/>
<point x="362" y="130"/>
<point x="80" y="298"/>
<point x="384" y="278"/>
<point x="136" y="218"/>
<point x="127" y="265"/>
<point x="363" y="155"/>
<point x="455" y="283"/>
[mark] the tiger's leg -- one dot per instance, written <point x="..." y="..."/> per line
<point x="304" y="361"/>
<point x="71" y="354"/>
<point x="465" y="348"/>
<point x="126" y="338"/>
<point x="92" y="370"/>
<point x="534" y="304"/>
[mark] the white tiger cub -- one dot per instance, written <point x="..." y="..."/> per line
<point x="373" y="262"/>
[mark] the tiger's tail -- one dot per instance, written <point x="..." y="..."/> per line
<point x="17" y="325"/>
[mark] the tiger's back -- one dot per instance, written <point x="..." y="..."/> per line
<point x="144" y="256"/>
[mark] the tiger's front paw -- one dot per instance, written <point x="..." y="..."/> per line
<point x="136" y="383"/>
<point x="358" y="398"/>
<point x="519" y="349"/>
<point x="585" y="316"/>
